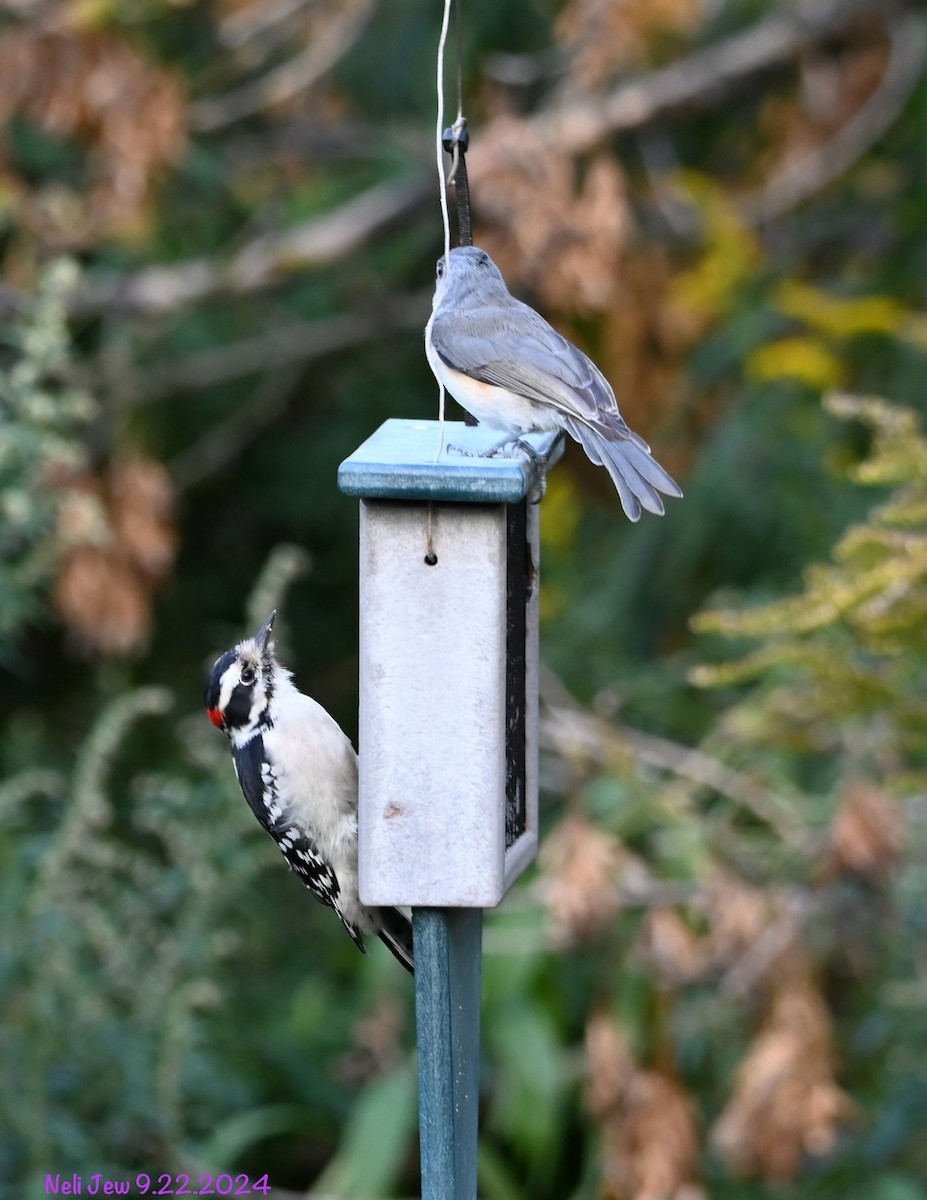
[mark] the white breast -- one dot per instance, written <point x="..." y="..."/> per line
<point x="493" y="406"/>
<point x="316" y="774"/>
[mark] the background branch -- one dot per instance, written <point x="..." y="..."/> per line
<point x="811" y="173"/>
<point x="278" y="346"/>
<point x="254" y="21"/>
<point x="290" y="78"/>
<point x="567" y="729"/>
<point x="702" y="78"/>
<point x="227" y="440"/>
<point x="261" y="262"/>
<point x="705" y="77"/>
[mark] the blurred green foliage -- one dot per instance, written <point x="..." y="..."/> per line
<point x="44" y="420"/>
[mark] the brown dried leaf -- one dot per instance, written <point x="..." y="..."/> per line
<point x="661" y="1139"/>
<point x="103" y="601"/>
<point x="581" y="867"/>
<point x="671" y="948"/>
<point x="95" y="88"/>
<point x="548" y="229"/>
<point x="644" y="343"/>
<point x="603" y="36"/>
<point x="119" y="543"/>
<point x="739" y="915"/>
<point x="610" y="1067"/>
<point x="650" y="1142"/>
<point x="866" y="835"/>
<point x="141" y="505"/>
<point x="786" y="1102"/>
<point x="832" y="89"/>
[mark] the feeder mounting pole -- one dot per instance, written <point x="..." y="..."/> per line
<point x="447" y="785"/>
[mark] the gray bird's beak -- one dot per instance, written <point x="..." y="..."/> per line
<point x="264" y="632"/>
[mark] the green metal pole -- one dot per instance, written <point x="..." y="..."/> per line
<point x="448" y="954"/>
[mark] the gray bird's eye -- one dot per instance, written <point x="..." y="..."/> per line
<point x="248" y="675"/>
<point x="439" y="268"/>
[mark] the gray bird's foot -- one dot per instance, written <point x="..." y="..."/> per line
<point x="538" y="492"/>
<point x="498" y="450"/>
<point x="490" y="452"/>
<point x="515" y="444"/>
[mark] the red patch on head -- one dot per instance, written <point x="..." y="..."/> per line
<point x="215" y="715"/>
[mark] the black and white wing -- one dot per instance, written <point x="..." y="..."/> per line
<point x="259" y="784"/>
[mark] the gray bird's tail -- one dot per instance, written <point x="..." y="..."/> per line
<point x="394" y="929"/>
<point x="638" y="477"/>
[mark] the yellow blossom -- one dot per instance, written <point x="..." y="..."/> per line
<point x="839" y="317"/>
<point x="731" y="255"/>
<point x="800" y="358"/>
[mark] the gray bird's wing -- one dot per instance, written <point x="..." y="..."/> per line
<point x="513" y="347"/>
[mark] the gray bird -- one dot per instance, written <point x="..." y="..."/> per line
<point x="512" y="371"/>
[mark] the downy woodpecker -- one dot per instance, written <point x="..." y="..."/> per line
<point x="298" y="772"/>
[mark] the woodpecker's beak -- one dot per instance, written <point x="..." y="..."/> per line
<point x="264" y="632"/>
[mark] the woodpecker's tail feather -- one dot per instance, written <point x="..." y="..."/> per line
<point x="394" y="929"/>
<point x="637" y="476"/>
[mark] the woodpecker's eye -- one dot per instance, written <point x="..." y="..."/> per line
<point x="248" y="675"/>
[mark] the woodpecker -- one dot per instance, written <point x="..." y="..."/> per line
<point x="298" y="772"/>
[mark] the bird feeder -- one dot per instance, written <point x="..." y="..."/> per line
<point x="448" y="662"/>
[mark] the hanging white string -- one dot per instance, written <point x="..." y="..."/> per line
<point x="442" y="186"/>
<point x="459" y="32"/>
<point x="460" y="123"/>
<point x="430" y="556"/>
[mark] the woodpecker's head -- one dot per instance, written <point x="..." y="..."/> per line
<point x="241" y="684"/>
